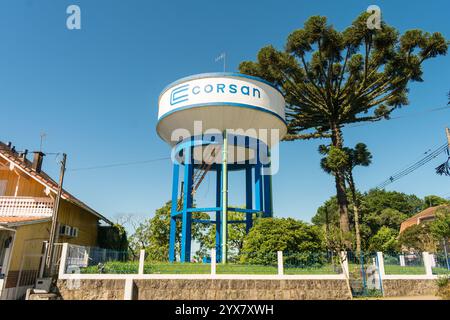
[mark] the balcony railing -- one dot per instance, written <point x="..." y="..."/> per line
<point x="26" y="206"/>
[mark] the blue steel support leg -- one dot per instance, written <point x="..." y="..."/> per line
<point x="268" y="211"/>
<point x="248" y="197"/>
<point x="258" y="183"/>
<point x="218" y="214"/>
<point x="186" y="225"/>
<point x="173" y="219"/>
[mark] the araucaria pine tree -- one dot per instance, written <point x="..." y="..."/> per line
<point x="331" y="78"/>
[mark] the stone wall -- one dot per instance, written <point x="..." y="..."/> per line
<point x="409" y="287"/>
<point x="108" y="289"/>
<point x="209" y="289"/>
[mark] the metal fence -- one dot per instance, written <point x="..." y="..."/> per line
<point x="404" y="263"/>
<point x="440" y="263"/>
<point x="363" y="268"/>
<point x="364" y="274"/>
<point x="95" y="260"/>
<point x="84" y="259"/>
<point x="311" y="263"/>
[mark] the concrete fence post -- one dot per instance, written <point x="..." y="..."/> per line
<point x="44" y="258"/>
<point x="213" y="261"/>
<point x="380" y="262"/>
<point x="63" y="260"/>
<point x="402" y="260"/>
<point x="344" y="259"/>
<point x="128" y="290"/>
<point x="141" y="261"/>
<point x="381" y="273"/>
<point x="427" y="263"/>
<point x="280" y="263"/>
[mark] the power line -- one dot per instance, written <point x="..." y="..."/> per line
<point x="124" y="164"/>
<point x="400" y="174"/>
<point x="420" y="113"/>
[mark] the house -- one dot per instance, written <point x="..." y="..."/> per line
<point x="27" y="197"/>
<point x="426" y="215"/>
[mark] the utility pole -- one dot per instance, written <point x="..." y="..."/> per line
<point x="55" y="215"/>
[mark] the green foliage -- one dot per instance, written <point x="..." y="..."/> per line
<point x="372" y="205"/>
<point x="153" y="234"/>
<point x="440" y="227"/>
<point x="378" y="208"/>
<point x="388" y="217"/>
<point x="131" y="267"/>
<point x="236" y="234"/>
<point x="336" y="159"/>
<point x="376" y="200"/>
<point x="140" y="239"/>
<point x="328" y="213"/>
<point x="443" y="281"/>
<point x="112" y="237"/>
<point x="270" y="235"/>
<point x="432" y="201"/>
<point x="443" y="285"/>
<point x="110" y="267"/>
<point x="385" y="240"/>
<point x="418" y="238"/>
<point x="345" y="159"/>
<point x="337" y="240"/>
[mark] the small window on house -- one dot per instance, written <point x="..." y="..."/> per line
<point x="3" y="187"/>
<point x="74" y="232"/>
<point x="62" y="229"/>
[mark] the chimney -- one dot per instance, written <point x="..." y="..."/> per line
<point x="37" y="161"/>
<point x="23" y="155"/>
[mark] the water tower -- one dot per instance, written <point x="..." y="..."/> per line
<point x="216" y="123"/>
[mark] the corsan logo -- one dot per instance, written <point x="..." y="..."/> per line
<point x="181" y="93"/>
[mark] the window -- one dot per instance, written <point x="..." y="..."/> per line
<point x="65" y="230"/>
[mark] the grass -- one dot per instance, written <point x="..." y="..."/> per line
<point x="396" y="269"/>
<point x="132" y="267"/>
<point x="326" y="269"/>
<point x="441" y="271"/>
<point x="176" y="268"/>
<point x="231" y="268"/>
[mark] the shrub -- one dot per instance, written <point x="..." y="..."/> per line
<point x="291" y="236"/>
<point x="443" y="285"/>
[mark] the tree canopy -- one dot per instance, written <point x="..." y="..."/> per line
<point x="378" y="209"/>
<point x="152" y="235"/>
<point x="270" y="235"/>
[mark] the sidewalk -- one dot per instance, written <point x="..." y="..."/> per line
<point x="413" y="298"/>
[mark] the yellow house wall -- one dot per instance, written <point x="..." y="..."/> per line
<point x="77" y="217"/>
<point x="27" y="186"/>
<point x="29" y="238"/>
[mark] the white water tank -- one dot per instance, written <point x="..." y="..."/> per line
<point x="220" y="101"/>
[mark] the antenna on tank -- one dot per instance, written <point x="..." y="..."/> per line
<point x="222" y="57"/>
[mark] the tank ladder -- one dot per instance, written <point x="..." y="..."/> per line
<point x="198" y="177"/>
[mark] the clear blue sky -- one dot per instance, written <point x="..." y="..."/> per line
<point x="94" y="92"/>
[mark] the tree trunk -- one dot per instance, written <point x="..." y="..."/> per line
<point x="351" y="184"/>
<point x="336" y="139"/>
